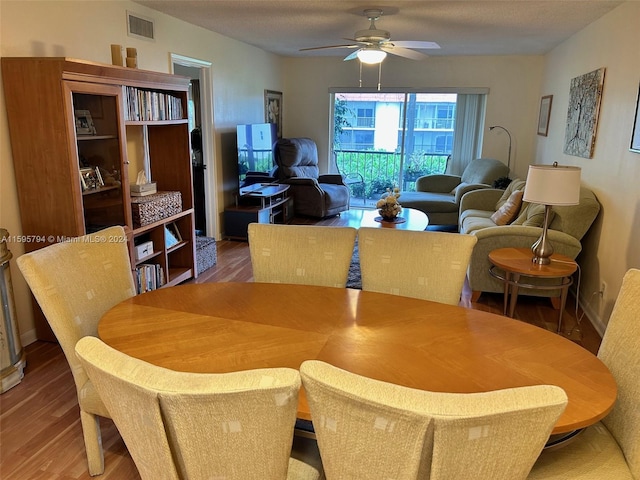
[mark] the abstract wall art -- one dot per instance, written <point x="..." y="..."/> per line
<point x="585" y="94"/>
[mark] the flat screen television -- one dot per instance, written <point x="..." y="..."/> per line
<point x="255" y="153"/>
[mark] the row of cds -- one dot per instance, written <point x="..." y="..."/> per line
<point x="147" y="105"/>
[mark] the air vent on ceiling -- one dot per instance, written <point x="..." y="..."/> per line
<point x="139" y="26"/>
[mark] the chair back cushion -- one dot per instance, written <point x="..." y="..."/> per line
<point x="484" y="171"/>
<point x="297" y="157"/>
<point x="377" y="430"/>
<point x="76" y="282"/>
<point x="301" y="254"/>
<point x="620" y="352"/>
<point x="234" y="426"/>
<point x="428" y="265"/>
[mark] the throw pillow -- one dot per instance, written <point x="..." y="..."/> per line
<point x="514" y="186"/>
<point x="507" y="212"/>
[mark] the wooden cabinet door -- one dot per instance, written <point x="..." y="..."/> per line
<point x="95" y="125"/>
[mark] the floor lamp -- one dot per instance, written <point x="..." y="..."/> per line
<point x="550" y="185"/>
<point x="508" y="133"/>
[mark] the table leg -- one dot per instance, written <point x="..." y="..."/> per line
<point x="514" y="294"/>
<point x="563" y="301"/>
<point x="507" y="279"/>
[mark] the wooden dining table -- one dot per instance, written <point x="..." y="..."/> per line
<point x="226" y="327"/>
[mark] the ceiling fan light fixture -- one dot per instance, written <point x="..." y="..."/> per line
<point x="371" y="55"/>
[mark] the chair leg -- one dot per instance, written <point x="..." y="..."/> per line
<point x="92" y="442"/>
<point x="475" y="295"/>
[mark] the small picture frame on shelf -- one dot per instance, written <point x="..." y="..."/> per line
<point x="171" y="235"/>
<point x="90" y="178"/>
<point x="84" y="123"/>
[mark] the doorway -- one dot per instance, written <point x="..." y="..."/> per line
<point x="200" y="110"/>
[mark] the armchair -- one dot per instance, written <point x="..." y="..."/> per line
<point x="313" y="194"/>
<point x="439" y="195"/>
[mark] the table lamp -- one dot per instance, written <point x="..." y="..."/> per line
<point x="550" y="185"/>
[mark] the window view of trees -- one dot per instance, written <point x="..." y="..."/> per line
<point x="391" y="139"/>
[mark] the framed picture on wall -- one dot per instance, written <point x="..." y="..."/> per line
<point x="635" y="133"/>
<point x="545" y="115"/>
<point x="273" y="109"/>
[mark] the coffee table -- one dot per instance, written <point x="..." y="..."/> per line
<point x="414" y="219"/>
<point x="225" y="327"/>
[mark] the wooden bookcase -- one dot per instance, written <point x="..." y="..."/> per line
<point x="138" y="121"/>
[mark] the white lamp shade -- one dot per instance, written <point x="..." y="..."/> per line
<point x="371" y="55"/>
<point x="552" y="185"/>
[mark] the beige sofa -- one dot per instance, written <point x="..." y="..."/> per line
<point x="568" y="225"/>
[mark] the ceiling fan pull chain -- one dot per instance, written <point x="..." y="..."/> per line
<point x="379" y="74"/>
<point x="360" y="77"/>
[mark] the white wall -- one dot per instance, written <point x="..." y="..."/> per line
<point x="86" y="30"/>
<point x="613" y="244"/>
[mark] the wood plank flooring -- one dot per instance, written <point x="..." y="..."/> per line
<point x="40" y="432"/>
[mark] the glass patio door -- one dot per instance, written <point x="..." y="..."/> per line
<point x="391" y="139"/>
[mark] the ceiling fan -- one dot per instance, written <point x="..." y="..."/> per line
<point x="373" y="44"/>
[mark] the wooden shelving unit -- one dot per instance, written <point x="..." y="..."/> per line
<point x="42" y="96"/>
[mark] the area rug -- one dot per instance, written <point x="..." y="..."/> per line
<point x="354" y="279"/>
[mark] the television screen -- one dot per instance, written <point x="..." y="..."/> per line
<point x="255" y="153"/>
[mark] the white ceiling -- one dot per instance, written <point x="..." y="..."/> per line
<point x="461" y="27"/>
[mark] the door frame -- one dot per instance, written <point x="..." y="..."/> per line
<point x="208" y="137"/>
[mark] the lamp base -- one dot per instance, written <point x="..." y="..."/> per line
<point x="542" y="249"/>
<point x="540" y="260"/>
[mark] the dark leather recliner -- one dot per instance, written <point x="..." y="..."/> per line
<point x="313" y="194"/>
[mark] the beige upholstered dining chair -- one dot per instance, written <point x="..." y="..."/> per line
<point x="301" y="254"/>
<point x="610" y="449"/>
<point x="198" y="426"/>
<point x="75" y="283"/>
<point x="367" y="429"/>
<point x="427" y="265"/>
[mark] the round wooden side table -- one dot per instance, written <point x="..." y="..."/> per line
<point x="516" y="263"/>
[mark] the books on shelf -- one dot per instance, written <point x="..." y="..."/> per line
<point x="149" y="276"/>
<point x="148" y="105"/>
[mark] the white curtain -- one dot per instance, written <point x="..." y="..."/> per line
<point x="467" y="136"/>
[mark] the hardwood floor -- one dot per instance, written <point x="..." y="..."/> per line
<point x="40" y="432"/>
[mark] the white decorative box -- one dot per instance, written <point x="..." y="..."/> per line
<point x="143" y="189"/>
<point x="143" y="250"/>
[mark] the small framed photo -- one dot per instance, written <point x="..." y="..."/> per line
<point x="545" y="114"/>
<point x="84" y="123"/>
<point x="273" y="109"/>
<point x="90" y="178"/>
<point x="635" y="134"/>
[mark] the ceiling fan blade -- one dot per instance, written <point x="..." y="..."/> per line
<point x="415" y="44"/>
<point x="351" y="56"/>
<point x="403" y="52"/>
<point x="328" y="46"/>
<point x="357" y="41"/>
